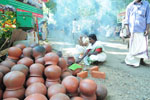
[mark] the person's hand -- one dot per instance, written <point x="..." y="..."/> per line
<point x="146" y="33"/>
<point x="128" y="34"/>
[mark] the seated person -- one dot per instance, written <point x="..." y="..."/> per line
<point x="94" y="52"/>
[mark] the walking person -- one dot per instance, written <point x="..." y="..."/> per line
<point x="137" y="23"/>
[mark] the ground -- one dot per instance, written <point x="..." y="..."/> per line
<point x="123" y="82"/>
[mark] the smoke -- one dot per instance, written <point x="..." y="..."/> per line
<point x="90" y="16"/>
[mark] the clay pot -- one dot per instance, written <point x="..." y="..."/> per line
<point x="51" y="59"/>
<point x="36" y="70"/>
<point x="4" y="69"/>
<point x="40" y="61"/>
<point x="1" y="77"/>
<point x="8" y="63"/>
<point x="11" y="99"/>
<point x="1" y="93"/>
<point x="19" y="93"/>
<point x="13" y="60"/>
<point x="27" y="52"/>
<point x="36" y="96"/>
<point x="38" y="52"/>
<point x="62" y="64"/>
<point x="101" y="92"/>
<point x="75" y="72"/>
<point x="32" y="80"/>
<point x="48" y="48"/>
<point x="26" y="61"/>
<point x="65" y="74"/>
<point x="21" y="46"/>
<point x="92" y="97"/>
<point x="36" y="88"/>
<point x="21" y="68"/>
<point x="71" y="84"/>
<point x="50" y="82"/>
<point x="14" y="53"/>
<point x="60" y="96"/>
<point x="77" y="98"/>
<point x="54" y="89"/>
<point x="14" y="80"/>
<point x="52" y="72"/>
<point x="70" y="60"/>
<point x="87" y="87"/>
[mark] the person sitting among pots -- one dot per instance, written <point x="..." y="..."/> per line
<point x="94" y="52"/>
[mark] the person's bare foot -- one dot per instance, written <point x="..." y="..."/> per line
<point x="143" y="63"/>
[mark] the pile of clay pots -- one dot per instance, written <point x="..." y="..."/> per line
<point x="38" y="73"/>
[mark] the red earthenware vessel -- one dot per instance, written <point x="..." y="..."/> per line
<point x="14" y="53"/>
<point x="36" y="88"/>
<point x="11" y="99"/>
<point x="26" y="61"/>
<point x="38" y="52"/>
<point x="4" y="69"/>
<point x="101" y="92"/>
<point x="60" y="96"/>
<point x="48" y="48"/>
<point x="21" y="46"/>
<point x="8" y="63"/>
<point x="52" y="72"/>
<point x="62" y="64"/>
<point x="19" y="93"/>
<point x="1" y="77"/>
<point x="51" y="59"/>
<point x="36" y="96"/>
<point x="27" y="52"/>
<point x="40" y="60"/>
<point x="1" y="93"/>
<point x="92" y="97"/>
<point x="75" y="72"/>
<point x="13" y="60"/>
<point x="77" y="98"/>
<point x="65" y="74"/>
<point x="32" y="80"/>
<point x="71" y="84"/>
<point x="14" y="80"/>
<point x="21" y="68"/>
<point x="37" y="70"/>
<point x="54" y="89"/>
<point x="87" y="87"/>
<point x="50" y="82"/>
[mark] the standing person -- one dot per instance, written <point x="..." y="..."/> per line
<point x="94" y="53"/>
<point x="137" y="22"/>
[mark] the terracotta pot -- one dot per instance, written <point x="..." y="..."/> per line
<point x="54" y="89"/>
<point x="40" y="61"/>
<point x="48" y="48"/>
<point x="75" y="72"/>
<point x="92" y="97"/>
<point x="8" y="63"/>
<point x="37" y="70"/>
<point x="11" y="99"/>
<point x="71" y="84"/>
<point x="62" y="64"/>
<point x="27" y="52"/>
<point x="60" y="96"/>
<point x="70" y="60"/>
<point x="38" y="52"/>
<point x="1" y="93"/>
<point x="52" y="82"/>
<point x="14" y="94"/>
<point x="13" y="60"/>
<point x="14" y="80"/>
<point x="21" y="46"/>
<point x="14" y="53"/>
<point x="36" y="88"/>
<point x="1" y="77"/>
<point x="52" y="72"/>
<point x="21" y="68"/>
<point x="4" y="69"/>
<point x="51" y="59"/>
<point x="32" y="80"/>
<point x="26" y="61"/>
<point x="101" y="92"/>
<point x="87" y="87"/>
<point x="73" y="94"/>
<point x="36" y="96"/>
<point x="65" y="74"/>
<point x="77" y="98"/>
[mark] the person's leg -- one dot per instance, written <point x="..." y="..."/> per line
<point x="142" y="62"/>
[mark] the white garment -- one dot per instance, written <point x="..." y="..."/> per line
<point x="138" y="48"/>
